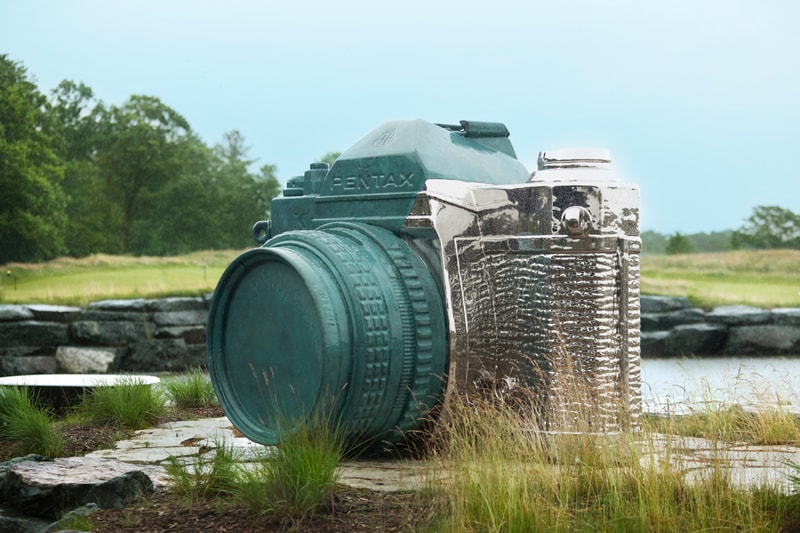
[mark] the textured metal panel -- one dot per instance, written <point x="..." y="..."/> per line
<point x="553" y="323"/>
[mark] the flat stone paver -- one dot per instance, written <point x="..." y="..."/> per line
<point x="749" y="466"/>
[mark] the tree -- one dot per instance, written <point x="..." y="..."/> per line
<point x="141" y="147"/>
<point x="769" y="227"/>
<point x="653" y="243"/>
<point x="330" y="157"/>
<point x="32" y="204"/>
<point x="214" y="202"/>
<point x="91" y="215"/>
<point x="678" y="244"/>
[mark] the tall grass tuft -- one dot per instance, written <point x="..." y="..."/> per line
<point x="193" y="389"/>
<point x="299" y="477"/>
<point x="208" y="474"/>
<point x="131" y="404"/>
<point x="290" y="482"/>
<point x="504" y="471"/>
<point x="24" y="428"/>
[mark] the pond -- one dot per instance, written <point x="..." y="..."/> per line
<point x="678" y="384"/>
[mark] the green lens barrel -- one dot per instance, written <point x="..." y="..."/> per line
<point x="344" y="321"/>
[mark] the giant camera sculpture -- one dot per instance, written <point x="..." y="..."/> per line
<point x="427" y="262"/>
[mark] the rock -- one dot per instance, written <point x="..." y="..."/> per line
<point x="662" y="304"/>
<point x="180" y="318"/>
<point x="86" y="360"/>
<point x="95" y="315"/>
<point x="9" y="313"/>
<point x="110" y="333"/>
<point x="786" y="316"/>
<point x="32" y="333"/>
<point x="695" y="339"/>
<point x="190" y="334"/>
<point x="761" y="339"/>
<point x="14" y="523"/>
<point x="25" y="351"/>
<point x="665" y="321"/>
<point x="171" y="305"/>
<point x="168" y="355"/>
<point x="48" y="488"/>
<point x="138" y="305"/>
<point x="33" y="364"/>
<point x="738" y="315"/>
<point x="654" y="343"/>
<point x="54" y="313"/>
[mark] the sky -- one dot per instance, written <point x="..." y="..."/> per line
<point x="698" y="101"/>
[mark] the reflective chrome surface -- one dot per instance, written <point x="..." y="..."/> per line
<point x="541" y="283"/>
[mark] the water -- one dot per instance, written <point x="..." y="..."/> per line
<point x="679" y="384"/>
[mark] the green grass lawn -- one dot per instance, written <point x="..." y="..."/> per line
<point x="769" y="278"/>
<point x="69" y="281"/>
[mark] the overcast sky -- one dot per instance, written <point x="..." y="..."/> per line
<point x="698" y="101"/>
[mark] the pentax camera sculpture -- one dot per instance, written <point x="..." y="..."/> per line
<point x="427" y="263"/>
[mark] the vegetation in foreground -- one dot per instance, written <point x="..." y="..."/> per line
<point x="502" y="476"/>
<point x="491" y="470"/>
<point x="107" y="414"/>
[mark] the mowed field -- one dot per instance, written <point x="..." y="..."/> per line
<point x="765" y="278"/>
<point x="769" y="278"/>
<point x="68" y="281"/>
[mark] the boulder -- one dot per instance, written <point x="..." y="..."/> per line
<point x="762" y="339"/>
<point x="98" y="315"/>
<point x="695" y="339"/>
<point x="110" y="333"/>
<point x="654" y="343"/>
<point x="54" y="313"/>
<point x="190" y="334"/>
<point x="32" y="364"/>
<point x="86" y="360"/>
<point x="168" y="355"/>
<point x="662" y="304"/>
<point x="48" y="488"/>
<point x="786" y="316"/>
<point x="664" y="321"/>
<point x="738" y="315"/>
<point x="138" y="305"/>
<point x="10" y="313"/>
<point x="32" y="333"/>
<point x="181" y="318"/>
<point x="171" y="305"/>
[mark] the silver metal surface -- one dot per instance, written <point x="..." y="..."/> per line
<point x="541" y="283"/>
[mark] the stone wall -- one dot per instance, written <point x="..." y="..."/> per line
<point x="672" y="327"/>
<point x="169" y="335"/>
<point x="107" y="337"/>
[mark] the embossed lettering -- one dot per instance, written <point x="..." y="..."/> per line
<point x="372" y="182"/>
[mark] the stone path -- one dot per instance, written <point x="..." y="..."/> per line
<point x="187" y="439"/>
<point x="750" y="466"/>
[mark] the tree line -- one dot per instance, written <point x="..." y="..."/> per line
<point x="79" y="177"/>
<point x="769" y="227"/>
